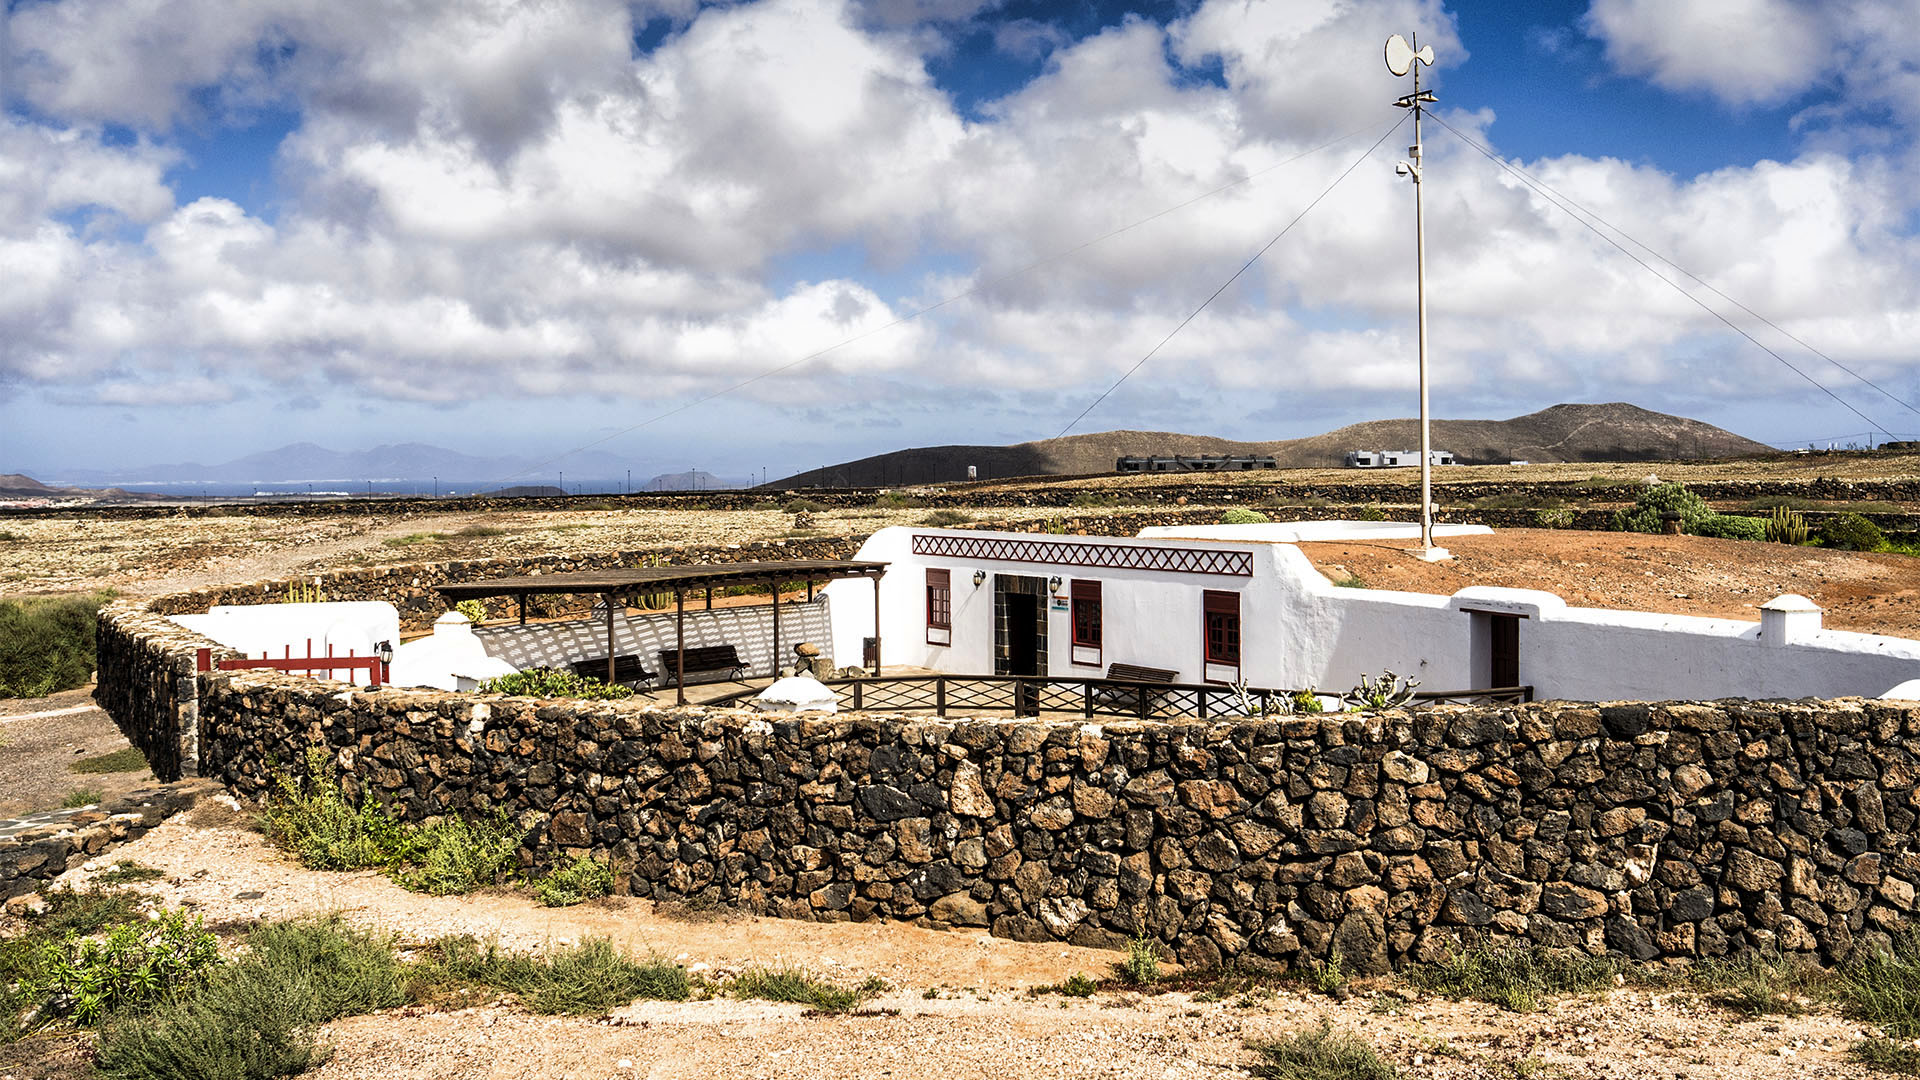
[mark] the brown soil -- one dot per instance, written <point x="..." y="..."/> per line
<point x="979" y="1021"/>
<point x="1680" y="575"/>
<point x="38" y="752"/>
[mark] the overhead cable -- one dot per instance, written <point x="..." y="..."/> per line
<point x="1248" y="265"/>
<point x="1574" y="210"/>
<point x="971" y="290"/>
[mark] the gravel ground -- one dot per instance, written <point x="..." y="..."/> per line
<point x="40" y="741"/>
<point x="979" y="1021"/>
<point x="1681" y="575"/>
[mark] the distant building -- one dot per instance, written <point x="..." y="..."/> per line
<point x="1392" y="459"/>
<point x="1199" y="463"/>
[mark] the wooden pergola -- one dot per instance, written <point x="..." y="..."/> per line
<point x="617" y="586"/>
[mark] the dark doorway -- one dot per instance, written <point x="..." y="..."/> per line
<point x="1023" y="645"/>
<point x="1503" y="650"/>
<point x="1020" y="634"/>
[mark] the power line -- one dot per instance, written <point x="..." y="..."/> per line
<point x="1248" y="265"/>
<point x="971" y="290"/>
<point x="1567" y="205"/>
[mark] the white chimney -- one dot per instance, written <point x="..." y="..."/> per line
<point x="1788" y="620"/>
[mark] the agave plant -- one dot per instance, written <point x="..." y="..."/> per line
<point x="1388" y="692"/>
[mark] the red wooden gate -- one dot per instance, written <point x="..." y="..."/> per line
<point x="309" y="664"/>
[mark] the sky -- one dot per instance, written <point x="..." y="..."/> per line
<point x="780" y="233"/>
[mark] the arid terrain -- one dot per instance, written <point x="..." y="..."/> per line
<point x="957" y="1004"/>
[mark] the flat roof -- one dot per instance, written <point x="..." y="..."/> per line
<point x="660" y="578"/>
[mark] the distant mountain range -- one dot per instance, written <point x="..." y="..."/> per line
<point x="307" y="463"/>
<point x="1611" y="432"/>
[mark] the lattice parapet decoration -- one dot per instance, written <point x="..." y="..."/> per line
<point x="1072" y="553"/>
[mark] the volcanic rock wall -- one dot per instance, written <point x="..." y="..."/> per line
<point x="1667" y="830"/>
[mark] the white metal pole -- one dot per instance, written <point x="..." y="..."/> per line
<point x="1420" y="256"/>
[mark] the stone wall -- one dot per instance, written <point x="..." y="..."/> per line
<point x="410" y="588"/>
<point x="36" y="849"/>
<point x="1664" y="830"/>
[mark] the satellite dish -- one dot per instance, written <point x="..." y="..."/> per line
<point x="1400" y="55"/>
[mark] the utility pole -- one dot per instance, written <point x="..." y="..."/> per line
<point x="1403" y="58"/>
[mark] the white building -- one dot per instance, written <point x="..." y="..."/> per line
<point x="1220" y="603"/>
<point x="1393" y="459"/>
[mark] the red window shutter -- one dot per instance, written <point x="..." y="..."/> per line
<point x="1222" y="628"/>
<point x="1088" y="619"/>
<point x="939" y="605"/>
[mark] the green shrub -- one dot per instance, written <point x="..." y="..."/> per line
<point x="585" y="878"/>
<point x="1306" y="701"/>
<point x="1089" y="500"/>
<point x="413" y="539"/>
<point x="46" y="645"/>
<point x="259" y="1016"/>
<point x="1658" y="500"/>
<point x="588" y="978"/>
<point x="474" y="610"/>
<point x="1555" y="518"/>
<point x="1142" y="965"/>
<point x="1515" y="978"/>
<point x="1851" y="532"/>
<point x="314" y="821"/>
<point x="1734" y="527"/>
<point x="548" y="682"/>
<point x="1320" y="1055"/>
<point x="1351" y="581"/>
<point x="893" y="500"/>
<point x="1882" y="988"/>
<point x="454" y="855"/>
<point x="946" y="517"/>
<point x="132" y="967"/>
<point x="803" y="506"/>
<point x="792" y="984"/>
<point x="1240" y="515"/>
<point x="126" y="872"/>
<point x="1787" y="526"/>
<point x="481" y="531"/>
<point x="81" y="797"/>
<point x="1076" y="985"/>
<point x="1330" y="976"/>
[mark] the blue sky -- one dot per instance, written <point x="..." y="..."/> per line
<point x="509" y="229"/>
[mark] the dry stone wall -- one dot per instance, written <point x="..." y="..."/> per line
<point x="1665" y="830"/>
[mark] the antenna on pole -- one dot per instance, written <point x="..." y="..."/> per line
<point x="1402" y="59"/>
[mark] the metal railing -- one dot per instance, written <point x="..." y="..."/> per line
<point x="1030" y="695"/>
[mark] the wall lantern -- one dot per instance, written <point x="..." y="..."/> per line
<point x="1053" y="583"/>
<point x="979" y="578"/>
<point x="384" y="650"/>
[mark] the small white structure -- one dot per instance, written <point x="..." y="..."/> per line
<point x="1223" y="603"/>
<point x="797" y="694"/>
<point x="1393" y="459"/>
<point x="276" y="631"/>
<point x="451" y="659"/>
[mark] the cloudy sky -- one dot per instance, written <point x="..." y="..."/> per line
<point x="518" y="228"/>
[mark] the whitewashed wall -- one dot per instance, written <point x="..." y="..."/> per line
<point x="277" y="630"/>
<point x="1300" y="629"/>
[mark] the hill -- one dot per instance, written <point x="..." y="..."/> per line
<point x="1611" y="432"/>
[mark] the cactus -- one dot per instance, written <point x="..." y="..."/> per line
<point x="1387" y="693"/>
<point x="1787" y="526"/>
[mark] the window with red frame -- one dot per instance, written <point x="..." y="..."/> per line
<point x="939" y="607"/>
<point x="1087" y="622"/>
<point x="1222" y="615"/>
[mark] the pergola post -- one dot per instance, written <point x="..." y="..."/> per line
<point x="709" y="598"/>
<point x="680" y="643"/>
<point x="608" y="599"/>
<point x="523" y="609"/>
<point x="776" y="628"/>
<point x="876" y="626"/>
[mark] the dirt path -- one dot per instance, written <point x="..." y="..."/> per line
<point x="1682" y="575"/>
<point x="41" y="739"/>
<point x="979" y="1021"/>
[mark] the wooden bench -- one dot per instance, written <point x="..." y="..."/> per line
<point x="703" y="660"/>
<point x="626" y="669"/>
<point x="1117" y="697"/>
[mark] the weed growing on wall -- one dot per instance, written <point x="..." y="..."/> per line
<point x="1883" y="989"/>
<point x="548" y="682"/>
<point x="46" y="645"/>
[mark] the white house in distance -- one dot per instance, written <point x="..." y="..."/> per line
<point x="1223" y="603"/>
